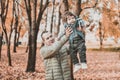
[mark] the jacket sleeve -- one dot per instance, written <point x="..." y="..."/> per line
<point x="49" y="51"/>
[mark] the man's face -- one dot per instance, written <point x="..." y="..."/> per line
<point x="70" y="19"/>
<point x="48" y="39"/>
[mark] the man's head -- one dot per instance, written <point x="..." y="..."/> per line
<point x="70" y="17"/>
<point x="47" y="38"/>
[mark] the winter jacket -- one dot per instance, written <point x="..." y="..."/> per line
<point x="56" y="60"/>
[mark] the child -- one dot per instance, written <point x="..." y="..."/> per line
<point x="76" y="40"/>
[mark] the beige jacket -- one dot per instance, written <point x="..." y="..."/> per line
<point x="56" y="61"/>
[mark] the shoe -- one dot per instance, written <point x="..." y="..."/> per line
<point x="76" y="67"/>
<point x="83" y="65"/>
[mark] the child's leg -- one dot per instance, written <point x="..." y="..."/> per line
<point x="82" y="52"/>
<point x="75" y="61"/>
<point x="73" y="54"/>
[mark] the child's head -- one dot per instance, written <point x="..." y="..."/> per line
<point x="70" y="17"/>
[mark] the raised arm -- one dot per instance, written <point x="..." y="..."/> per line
<point x="81" y="26"/>
<point x="49" y="51"/>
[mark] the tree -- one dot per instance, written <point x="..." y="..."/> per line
<point x="1" y="37"/>
<point x="20" y="11"/>
<point x="52" y="16"/>
<point x="34" y="22"/>
<point x="76" y="8"/>
<point x="63" y="7"/>
<point x="4" y="11"/>
<point x="101" y="35"/>
<point x="109" y="20"/>
<point x="16" y="12"/>
<point x="57" y="19"/>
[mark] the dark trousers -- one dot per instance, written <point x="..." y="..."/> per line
<point x="79" y="48"/>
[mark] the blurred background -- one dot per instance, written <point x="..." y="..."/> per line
<point x="23" y="21"/>
<point x="102" y="20"/>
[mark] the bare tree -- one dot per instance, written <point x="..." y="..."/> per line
<point x="57" y="20"/>
<point x="19" y="12"/>
<point x="18" y="34"/>
<point x="1" y="38"/>
<point x="16" y="12"/>
<point x="63" y="7"/>
<point x="34" y="22"/>
<point x="76" y="8"/>
<point x="101" y="35"/>
<point x="52" y="16"/>
<point x="4" y="11"/>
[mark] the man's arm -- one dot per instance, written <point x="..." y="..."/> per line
<point x="81" y="26"/>
<point x="50" y="51"/>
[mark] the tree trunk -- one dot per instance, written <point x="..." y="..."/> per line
<point x="34" y="23"/>
<point x="64" y="7"/>
<point x="57" y="20"/>
<point x="1" y="37"/>
<point x="8" y="49"/>
<point x="52" y="16"/>
<point x="16" y="12"/>
<point x="9" y="55"/>
<point x="46" y="19"/>
<point x="15" y="39"/>
<point x="32" y="41"/>
<point x="76" y="8"/>
<point x="32" y="52"/>
<point x="100" y="35"/>
<point x="27" y="48"/>
<point x="18" y="34"/>
<point x="4" y="10"/>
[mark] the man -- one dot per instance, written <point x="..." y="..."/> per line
<point x="55" y="56"/>
<point x="76" y="40"/>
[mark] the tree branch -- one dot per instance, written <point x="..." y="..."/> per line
<point x="44" y="7"/>
<point x="91" y="6"/>
<point x="41" y="10"/>
<point x="28" y="10"/>
<point x="19" y="4"/>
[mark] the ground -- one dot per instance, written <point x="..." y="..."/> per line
<point x="102" y="65"/>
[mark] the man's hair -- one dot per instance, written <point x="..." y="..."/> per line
<point x="42" y="34"/>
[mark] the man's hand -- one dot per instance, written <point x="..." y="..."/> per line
<point x="68" y="31"/>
